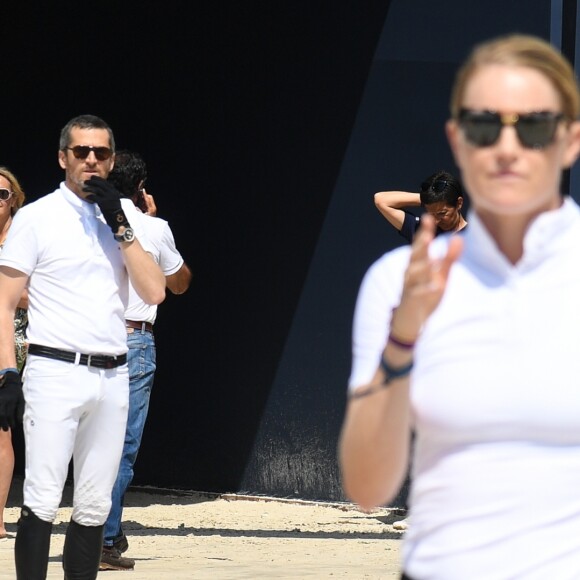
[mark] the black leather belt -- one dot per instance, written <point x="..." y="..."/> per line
<point x="139" y="325"/>
<point x="99" y="361"/>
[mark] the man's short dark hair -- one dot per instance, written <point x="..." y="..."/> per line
<point x="129" y="173"/>
<point x="84" y="122"/>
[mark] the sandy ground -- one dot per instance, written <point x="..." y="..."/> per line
<point x="179" y="535"/>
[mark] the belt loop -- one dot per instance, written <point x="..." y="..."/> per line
<point x="77" y="358"/>
<point x="143" y="327"/>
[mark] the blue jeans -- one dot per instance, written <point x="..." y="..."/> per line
<point x="141" y="360"/>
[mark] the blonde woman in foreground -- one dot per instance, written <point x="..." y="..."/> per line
<point x="481" y="357"/>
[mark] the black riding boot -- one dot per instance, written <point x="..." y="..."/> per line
<point x="32" y="546"/>
<point x="82" y="551"/>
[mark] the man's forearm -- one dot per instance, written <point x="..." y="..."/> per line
<point x="179" y="282"/>
<point x="145" y="275"/>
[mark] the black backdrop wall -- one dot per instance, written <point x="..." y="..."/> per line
<point x="267" y="127"/>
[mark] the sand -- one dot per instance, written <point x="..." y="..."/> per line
<point x="176" y="535"/>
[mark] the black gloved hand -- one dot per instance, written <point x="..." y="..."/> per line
<point x="104" y="194"/>
<point x="11" y="400"/>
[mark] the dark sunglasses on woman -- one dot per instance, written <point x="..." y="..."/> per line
<point x="534" y="130"/>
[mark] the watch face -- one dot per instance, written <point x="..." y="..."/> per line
<point x="128" y="235"/>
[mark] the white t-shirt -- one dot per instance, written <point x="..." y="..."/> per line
<point x="495" y="396"/>
<point x="166" y="255"/>
<point x="78" y="287"/>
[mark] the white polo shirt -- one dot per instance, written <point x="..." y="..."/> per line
<point x="78" y="286"/>
<point x="495" y="395"/>
<point x="165" y="254"/>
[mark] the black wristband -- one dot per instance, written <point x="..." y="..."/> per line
<point x="391" y="374"/>
<point x="119" y="219"/>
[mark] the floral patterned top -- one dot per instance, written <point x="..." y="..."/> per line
<point x="20" y="324"/>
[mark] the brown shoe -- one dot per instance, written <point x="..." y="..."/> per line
<point x="111" y="559"/>
<point x="121" y="543"/>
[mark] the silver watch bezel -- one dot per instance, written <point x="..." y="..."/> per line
<point x="128" y="235"/>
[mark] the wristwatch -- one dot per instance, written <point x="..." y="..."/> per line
<point x="127" y="235"/>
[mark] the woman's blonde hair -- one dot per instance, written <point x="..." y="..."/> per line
<point x="17" y="191"/>
<point x="527" y="51"/>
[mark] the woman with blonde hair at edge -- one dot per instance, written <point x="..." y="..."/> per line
<point x="481" y="356"/>
<point x="11" y="200"/>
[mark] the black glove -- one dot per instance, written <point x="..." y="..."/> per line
<point x="104" y="194"/>
<point x="11" y="400"/>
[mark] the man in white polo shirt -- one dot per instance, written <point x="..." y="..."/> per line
<point x="128" y="177"/>
<point x="76" y="249"/>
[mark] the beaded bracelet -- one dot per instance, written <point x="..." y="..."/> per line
<point x="400" y="343"/>
<point x="404" y="344"/>
<point x="391" y="373"/>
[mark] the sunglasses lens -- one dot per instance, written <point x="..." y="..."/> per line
<point x="80" y="152"/>
<point x="481" y="129"/>
<point x="102" y="153"/>
<point x="83" y="151"/>
<point x="5" y="194"/>
<point x="536" y="130"/>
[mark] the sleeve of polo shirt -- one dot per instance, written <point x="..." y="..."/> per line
<point x="21" y="246"/>
<point x="379" y="293"/>
<point x="410" y="225"/>
<point x="170" y="260"/>
<point x="135" y="219"/>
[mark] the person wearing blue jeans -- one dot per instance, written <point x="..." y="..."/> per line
<point x="141" y="359"/>
<point x="128" y="176"/>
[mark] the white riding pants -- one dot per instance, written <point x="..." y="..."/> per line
<point x="79" y="412"/>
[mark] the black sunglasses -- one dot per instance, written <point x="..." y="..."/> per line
<point x="83" y="151"/>
<point x="5" y="194"/>
<point x="437" y="186"/>
<point x="534" y="130"/>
